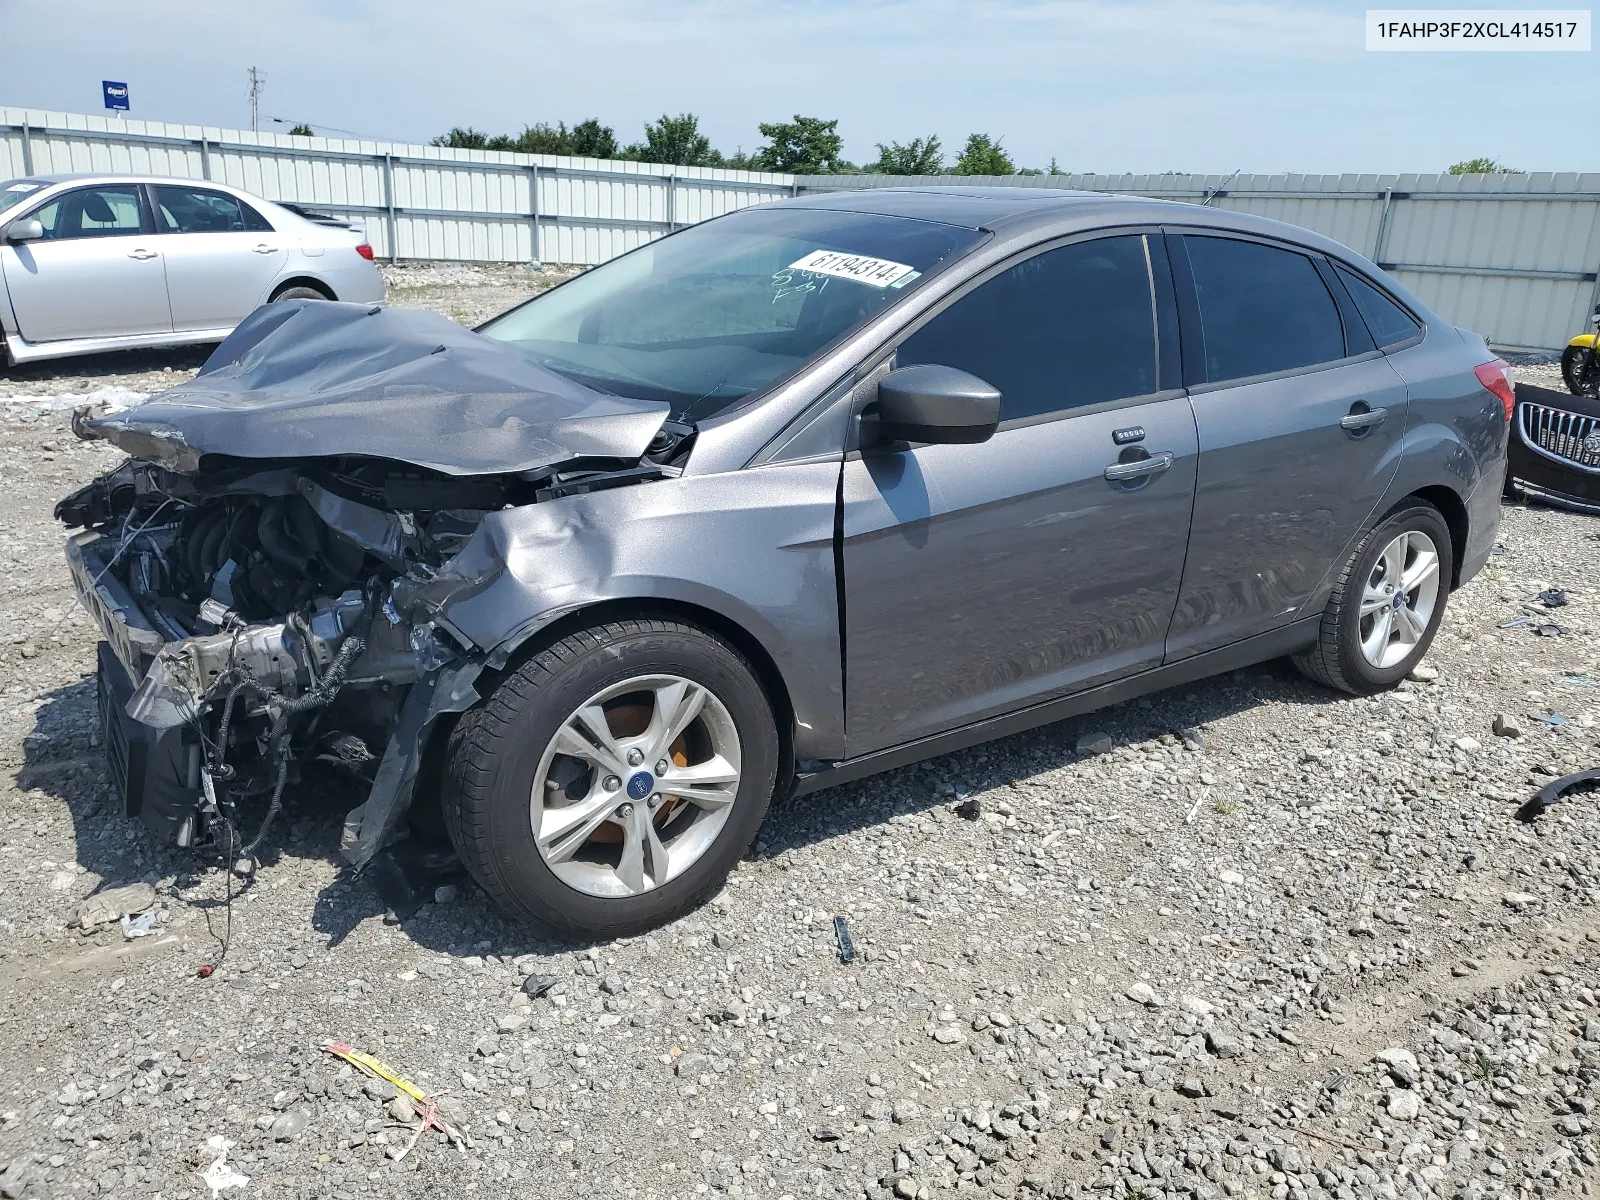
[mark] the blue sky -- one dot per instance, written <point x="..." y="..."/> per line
<point x="1101" y="85"/>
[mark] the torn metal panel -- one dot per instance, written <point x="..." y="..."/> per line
<point x="368" y="825"/>
<point x="304" y="379"/>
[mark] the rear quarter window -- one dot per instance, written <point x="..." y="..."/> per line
<point x="1388" y="323"/>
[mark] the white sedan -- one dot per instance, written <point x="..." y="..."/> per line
<point x="111" y="262"/>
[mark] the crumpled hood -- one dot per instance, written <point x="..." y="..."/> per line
<point x="308" y="378"/>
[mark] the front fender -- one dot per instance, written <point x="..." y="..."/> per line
<point x="753" y="546"/>
<point x="1583" y="341"/>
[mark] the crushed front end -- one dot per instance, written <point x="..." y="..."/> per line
<point x="261" y="617"/>
<point x="274" y="566"/>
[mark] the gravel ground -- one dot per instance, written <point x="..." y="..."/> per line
<point x="1246" y="938"/>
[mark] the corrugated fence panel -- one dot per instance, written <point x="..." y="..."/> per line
<point x="414" y="201"/>
<point x="1515" y="257"/>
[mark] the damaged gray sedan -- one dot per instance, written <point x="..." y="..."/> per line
<point x="805" y="492"/>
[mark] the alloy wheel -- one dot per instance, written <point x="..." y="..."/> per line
<point x="1399" y="598"/>
<point x="636" y="785"/>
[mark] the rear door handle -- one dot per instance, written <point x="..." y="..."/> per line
<point x="141" y="254"/>
<point x="1154" y="465"/>
<point x="266" y="249"/>
<point x="1363" y="420"/>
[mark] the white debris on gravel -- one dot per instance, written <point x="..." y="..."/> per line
<point x="108" y="399"/>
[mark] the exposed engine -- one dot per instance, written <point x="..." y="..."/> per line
<point x="250" y="634"/>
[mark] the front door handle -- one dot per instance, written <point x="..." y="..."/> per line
<point x="1154" y="465"/>
<point x="142" y="254"/>
<point x="266" y="249"/>
<point x="1365" y="419"/>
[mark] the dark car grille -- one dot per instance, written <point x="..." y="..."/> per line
<point x="116" y="737"/>
<point x="1564" y="435"/>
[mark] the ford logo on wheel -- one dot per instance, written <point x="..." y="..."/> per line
<point x="641" y="784"/>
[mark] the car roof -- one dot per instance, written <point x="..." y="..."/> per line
<point x="1046" y="211"/>
<point x="121" y="177"/>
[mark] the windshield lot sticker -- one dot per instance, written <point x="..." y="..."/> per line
<point x="24" y="187"/>
<point x="875" y="272"/>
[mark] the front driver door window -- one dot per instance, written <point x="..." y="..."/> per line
<point x="979" y="579"/>
<point x="97" y="272"/>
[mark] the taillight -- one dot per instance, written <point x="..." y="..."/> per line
<point x="1492" y="375"/>
<point x="366" y="252"/>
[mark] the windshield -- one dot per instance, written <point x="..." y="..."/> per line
<point x="14" y="191"/>
<point x="718" y="312"/>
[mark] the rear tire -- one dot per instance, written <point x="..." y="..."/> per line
<point x="300" y="293"/>
<point x="592" y="851"/>
<point x="1369" y="640"/>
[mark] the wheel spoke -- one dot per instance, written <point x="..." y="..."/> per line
<point x="563" y="830"/>
<point x="1377" y="641"/>
<point x="645" y="861"/>
<point x="677" y="704"/>
<point x="711" y="785"/>
<point x="1394" y="561"/>
<point x="588" y="736"/>
<point x="1423" y="569"/>
<point x="1372" y="599"/>
<point x="1408" y="626"/>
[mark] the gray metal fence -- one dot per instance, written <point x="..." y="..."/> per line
<point x="1515" y="257"/>
<point x="417" y="202"/>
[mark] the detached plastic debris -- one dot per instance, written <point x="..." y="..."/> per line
<point x="1552" y="598"/>
<point x="1578" y="679"/>
<point x="1515" y="622"/>
<point x="1549" y="629"/>
<point x="847" y="948"/>
<point x="140" y="926"/>
<point x="538" y="985"/>
<point x="408" y="874"/>
<point x="1554" y="719"/>
<point x="219" y="1175"/>
<point x="969" y="809"/>
<point x="1580" y="784"/>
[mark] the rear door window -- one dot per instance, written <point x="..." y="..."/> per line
<point x="93" y="212"/>
<point x="1064" y="329"/>
<point x="1388" y="323"/>
<point x="198" y="210"/>
<point x="1262" y="309"/>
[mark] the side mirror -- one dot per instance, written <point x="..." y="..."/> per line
<point x="26" y="230"/>
<point x="931" y="403"/>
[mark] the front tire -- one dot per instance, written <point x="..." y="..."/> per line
<point x="1580" y="371"/>
<point x="612" y="781"/>
<point x="1387" y="604"/>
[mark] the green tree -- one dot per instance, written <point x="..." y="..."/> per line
<point x="919" y="156"/>
<point x="806" y="146"/>
<point x="1482" y="166"/>
<point x="462" y="139"/>
<point x="675" y="140"/>
<point x="542" y="138"/>
<point x="590" y="139"/>
<point x="984" y="156"/>
<point x="301" y="130"/>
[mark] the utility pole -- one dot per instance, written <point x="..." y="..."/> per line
<point x="258" y="79"/>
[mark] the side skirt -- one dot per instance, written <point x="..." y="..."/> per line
<point x="25" y="352"/>
<point x="1264" y="646"/>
